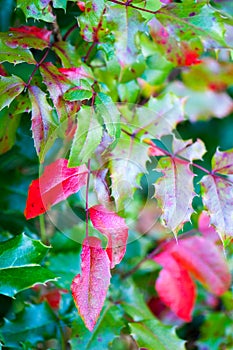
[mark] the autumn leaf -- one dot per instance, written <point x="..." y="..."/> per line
<point x="114" y="228"/>
<point x="10" y="88"/>
<point x="90" y="288"/>
<point x="55" y="184"/>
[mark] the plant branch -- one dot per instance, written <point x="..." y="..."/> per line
<point x="85" y="58"/>
<point x="87" y="192"/>
<point x="69" y="31"/>
<point x="42" y="229"/>
<point x="129" y="4"/>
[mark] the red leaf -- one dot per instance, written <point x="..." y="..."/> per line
<point x="40" y="33"/>
<point x="114" y="228"/>
<point x="90" y="288"/>
<point x="76" y="73"/>
<point x="56" y="184"/>
<point x="175" y="287"/>
<point x="53" y="297"/>
<point x="205" y="228"/>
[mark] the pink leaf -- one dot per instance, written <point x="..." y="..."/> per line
<point x="175" y="286"/>
<point x="56" y="184"/>
<point x="90" y="288"/>
<point x="40" y="33"/>
<point x="114" y="228"/>
<point x="205" y="228"/>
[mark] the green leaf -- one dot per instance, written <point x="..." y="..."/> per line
<point x="152" y="334"/>
<point x="19" y="264"/>
<point x="26" y="40"/>
<point x="109" y="114"/>
<point x="67" y="53"/>
<point x="109" y="325"/>
<point x="77" y="94"/>
<point x="15" y="55"/>
<point x="34" y="324"/>
<point x="87" y="137"/>
<point x="10" y="88"/>
<point x="37" y="9"/>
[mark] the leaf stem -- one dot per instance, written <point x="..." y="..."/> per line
<point x="129" y="4"/>
<point x="69" y="31"/>
<point x="42" y="229"/>
<point x="87" y="192"/>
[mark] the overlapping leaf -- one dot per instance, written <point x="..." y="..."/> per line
<point x="174" y="190"/>
<point x="56" y="184"/>
<point x="39" y="9"/>
<point x="197" y="256"/>
<point x="24" y="253"/>
<point x="218" y="193"/>
<point x="114" y="228"/>
<point x="10" y="88"/>
<point x="15" y="55"/>
<point x="90" y="288"/>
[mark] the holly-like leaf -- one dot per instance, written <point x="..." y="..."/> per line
<point x="67" y="53"/>
<point x="217" y="193"/>
<point x="39" y="10"/>
<point x="152" y="334"/>
<point x="20" y="256"/>
<point x="78" y="93"/>
<point x="196" y="256"/>
<point x="55" y="184"/>
<point x="10" y="88"/>
<point x="174" y="190"/>
<point x="114" y="228"/>
<point x="15" y="55"/>
<point x="87" y="137"/>
<point x="28" y="327"/>
<point x="27" y="37"/>
<point x="89" y="289"/>
<point x="42" y="121"/>
<point x="127" y="163"/>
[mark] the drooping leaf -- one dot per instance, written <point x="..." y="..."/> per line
<point x="19" y="264"/>
<point x="67" y="53"/>
<point x="101" y="187"/>
<point x="114" y="228"/>
<point x="15" y="55"/>
<point x="28" y="327"/>
<point x="87" y="137"/>
<point x="107" y="327"/>
<point x="127" y="163"/>
<point x="57" y="182"/>
<point x="197" y="256"/>
<point x="152" y="334"/>
<point x="27" y="37"/>
<point x="174" y="190"/>
<point x="39" y="10"/>
<point x="90" y="288"/>
<point x="175" y="286"/>
<point x="10" y="88"/>
<point x="41" y="119"/>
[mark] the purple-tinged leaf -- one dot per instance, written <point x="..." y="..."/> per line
<point x="10" y="87"/>
<point x="89" y="289"/>
<point x="15" y="55"/>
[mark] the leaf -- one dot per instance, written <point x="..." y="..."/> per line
<point x="87" y="137"/>
<point x="152" y="334"/>
<point x="101" y="187"/>
<point x="67" y="53"/>
<point x="217" y="193"/>
<point x="127" y="163"/>
<point x="107" y="327"/>
<point x="194" y="255"/>
<point x="114" y="228"/>
<point x="10" y="88"/>
<point x="175" y="286"/>
<point x="39" y="9"/>
<point x="109" y="113"/>
<point x="41" y="119"/>
<point x="19" y="264"/>
<point x="28" y="327"/>
<point x="174" y="190"/>
<point x="89" y="289"/>
<point x="27" y="37"/>
<point x="15" y="55"/>
<point x="77" y="93"/>
<point x="57" y="182"/>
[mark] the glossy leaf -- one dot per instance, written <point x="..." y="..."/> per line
<point x="57" y="182"/>
<point x="77" y="93"/>
<point x="114" y="228"/>
<point x="67" y="53"/>
<point x="174" y="190"/>
<point x="89" y="289"/>
<point x="87" y="137"/>
<point x="10" y="88"/>
<point x="151" y="334"/>
<point x="15" y="55"/>
<point x="41" y="119"/>
<point x="39" y="10"/>
<point x="24" y="253"/>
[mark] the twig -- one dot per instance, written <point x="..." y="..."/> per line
<point x="87" y="190"/>
<point x="129" y="4"/>
<point x="85" y="58"/>
<point x="42" y="229"/>
<point x="69" y="31"/>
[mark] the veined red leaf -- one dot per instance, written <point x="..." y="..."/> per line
<point x="205" y="228"/>
<point x="10" y="87"/>
<point x="41" y="119"/>
<point x="194" y="256"/>
<point x="175" y="287"/>
<point x="89" y="289"/>
<point x="114" y="228"/>
<point x="74" y="74"/>
<point x="40" y="33"/>
<point x="56" y="184"/>
<point x="174" y="190"/>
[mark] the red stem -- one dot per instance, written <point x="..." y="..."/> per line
<point x="129" y="4"/>
<point x="69" y="31"/>
<point x="37" y="66"/>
